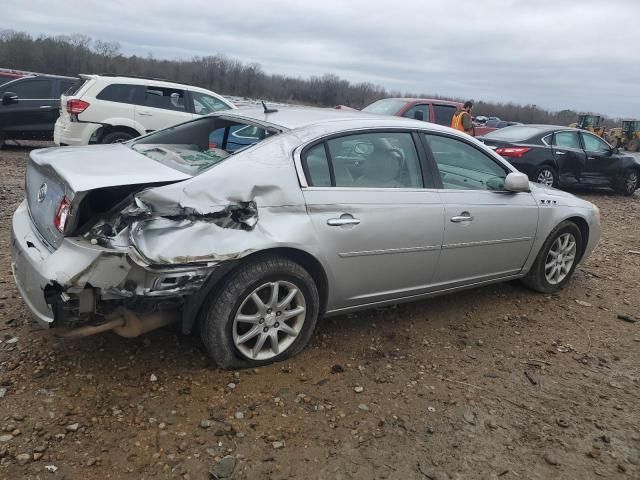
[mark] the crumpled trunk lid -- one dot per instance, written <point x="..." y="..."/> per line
<point x="74" y="172"/>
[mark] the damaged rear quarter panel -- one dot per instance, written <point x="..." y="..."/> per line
<point x="249" y="202"/>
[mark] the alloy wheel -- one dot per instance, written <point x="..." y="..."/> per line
<point x="269" y="320"/>
<point x="631" y="182"/>
<point x="545" y="177"/>
<point x="560" y="259"/>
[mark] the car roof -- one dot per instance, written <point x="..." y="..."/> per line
<point x="429" y="100"/>
<point x="44" y="75"/>
<point x="545" y="128"/>
<point x="293" y="118"/>
<point x="133" y="80"/>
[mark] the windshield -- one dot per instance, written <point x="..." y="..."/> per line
<point x="515" y="133"/>
<point x="195" y="146"/>
<point x="388" y="106"/>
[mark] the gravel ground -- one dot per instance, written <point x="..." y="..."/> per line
<point x="497" y="382"/>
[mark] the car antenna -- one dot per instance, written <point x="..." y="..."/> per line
<point x="268" y="110"/>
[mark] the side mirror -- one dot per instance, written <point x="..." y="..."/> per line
<point x="517" y="182"/>
<point x="418" y="115"/>
<point x="8" y="98"/>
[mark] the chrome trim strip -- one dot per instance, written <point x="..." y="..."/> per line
<point x="486" y="242"/>
<point x="389" y="251"/>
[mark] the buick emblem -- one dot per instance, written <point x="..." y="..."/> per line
<point x="42" y="192"/>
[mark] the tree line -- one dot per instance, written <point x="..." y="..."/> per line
<point x="79" y="53"/>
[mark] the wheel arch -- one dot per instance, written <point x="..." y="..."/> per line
<point x="193" y="307"/>
<point x="583" y="226"/>
<point x="107" y="129"/>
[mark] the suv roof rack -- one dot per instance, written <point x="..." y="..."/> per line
<point x="141" y="77"/>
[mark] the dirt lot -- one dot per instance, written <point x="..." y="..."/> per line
<point x="497" y="382"/>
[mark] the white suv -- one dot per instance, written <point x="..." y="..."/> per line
<point x="111" y="109"/>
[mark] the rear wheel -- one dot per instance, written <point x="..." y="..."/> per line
<point x="547" y="176"/>
<point x="627" y="184"/>
<point x="556" y="260"/>
<point x="633" y="145"/>
<point x="265" y="312"/>
<point x="116" y="137"/>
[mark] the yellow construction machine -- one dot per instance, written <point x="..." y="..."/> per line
<point x="591" y="123"/>
<point x="626" y="136"/>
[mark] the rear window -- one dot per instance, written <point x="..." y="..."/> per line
<point x="194" y="146"/>
<point x="66" y="85"/>
<point x="119" y="92"/>
<point x="514" y="133"/>
<point x="388" y="106"/>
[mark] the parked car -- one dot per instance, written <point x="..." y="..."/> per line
<point x="562" y="156"/>
<point x="30" y="105"/>
<point x="326" y="212"/>
<point x="492" y="125"/>
<point x="112" y="109"/>
<point x="425" y="109"/>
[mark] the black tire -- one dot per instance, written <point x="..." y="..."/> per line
<point x="627" y="183"/>
<point x="218" y="314"/>
<point x="116" y="137"/>
<point x="633" y="145"/>
<point x="551" y="171"/>
<point x="536" y="278"/>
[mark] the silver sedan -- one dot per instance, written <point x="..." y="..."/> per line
<point x="249" y="225"/>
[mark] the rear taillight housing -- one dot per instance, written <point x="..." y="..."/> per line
<point x="512" y="152"/>
<point x="76" y="106"/>
<point x="62" y="214"/>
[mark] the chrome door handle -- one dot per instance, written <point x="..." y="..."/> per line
<point x="339" y="222"/>
<point x="463" y="217"/>
<point x="560" y="153"/>
<point x="46" y="106"/>
<point x="145" y="114"/>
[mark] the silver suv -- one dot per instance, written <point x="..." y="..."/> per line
<point x="251" y="237"/>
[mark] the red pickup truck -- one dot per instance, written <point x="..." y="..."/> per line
<point x="6" y="75"/>
<point x="426" y="109"/>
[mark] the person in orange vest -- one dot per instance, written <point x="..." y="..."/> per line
<point x="462" y="119"/>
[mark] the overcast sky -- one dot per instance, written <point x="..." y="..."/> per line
<point x="580" y="54"/>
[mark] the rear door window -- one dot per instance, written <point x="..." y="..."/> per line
<point x="567" y="140"/>
<point x="444" y="114"/>
<point x="120" y="92"/>
<point x="37" y="88"/>
<point x="365" y="160"/>
<point x="165" y="98"/>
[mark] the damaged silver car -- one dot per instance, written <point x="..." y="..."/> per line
<point x="248" y="225"/>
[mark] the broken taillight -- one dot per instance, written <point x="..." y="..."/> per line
<point x="76" y="106"/>
<point x="62" y="214"/>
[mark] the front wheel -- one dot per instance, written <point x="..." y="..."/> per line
<point x="547" y="176"/>
<point x="627" y="184"/>
<point x="265" y="312"/>
<point x="556" y="260"/>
